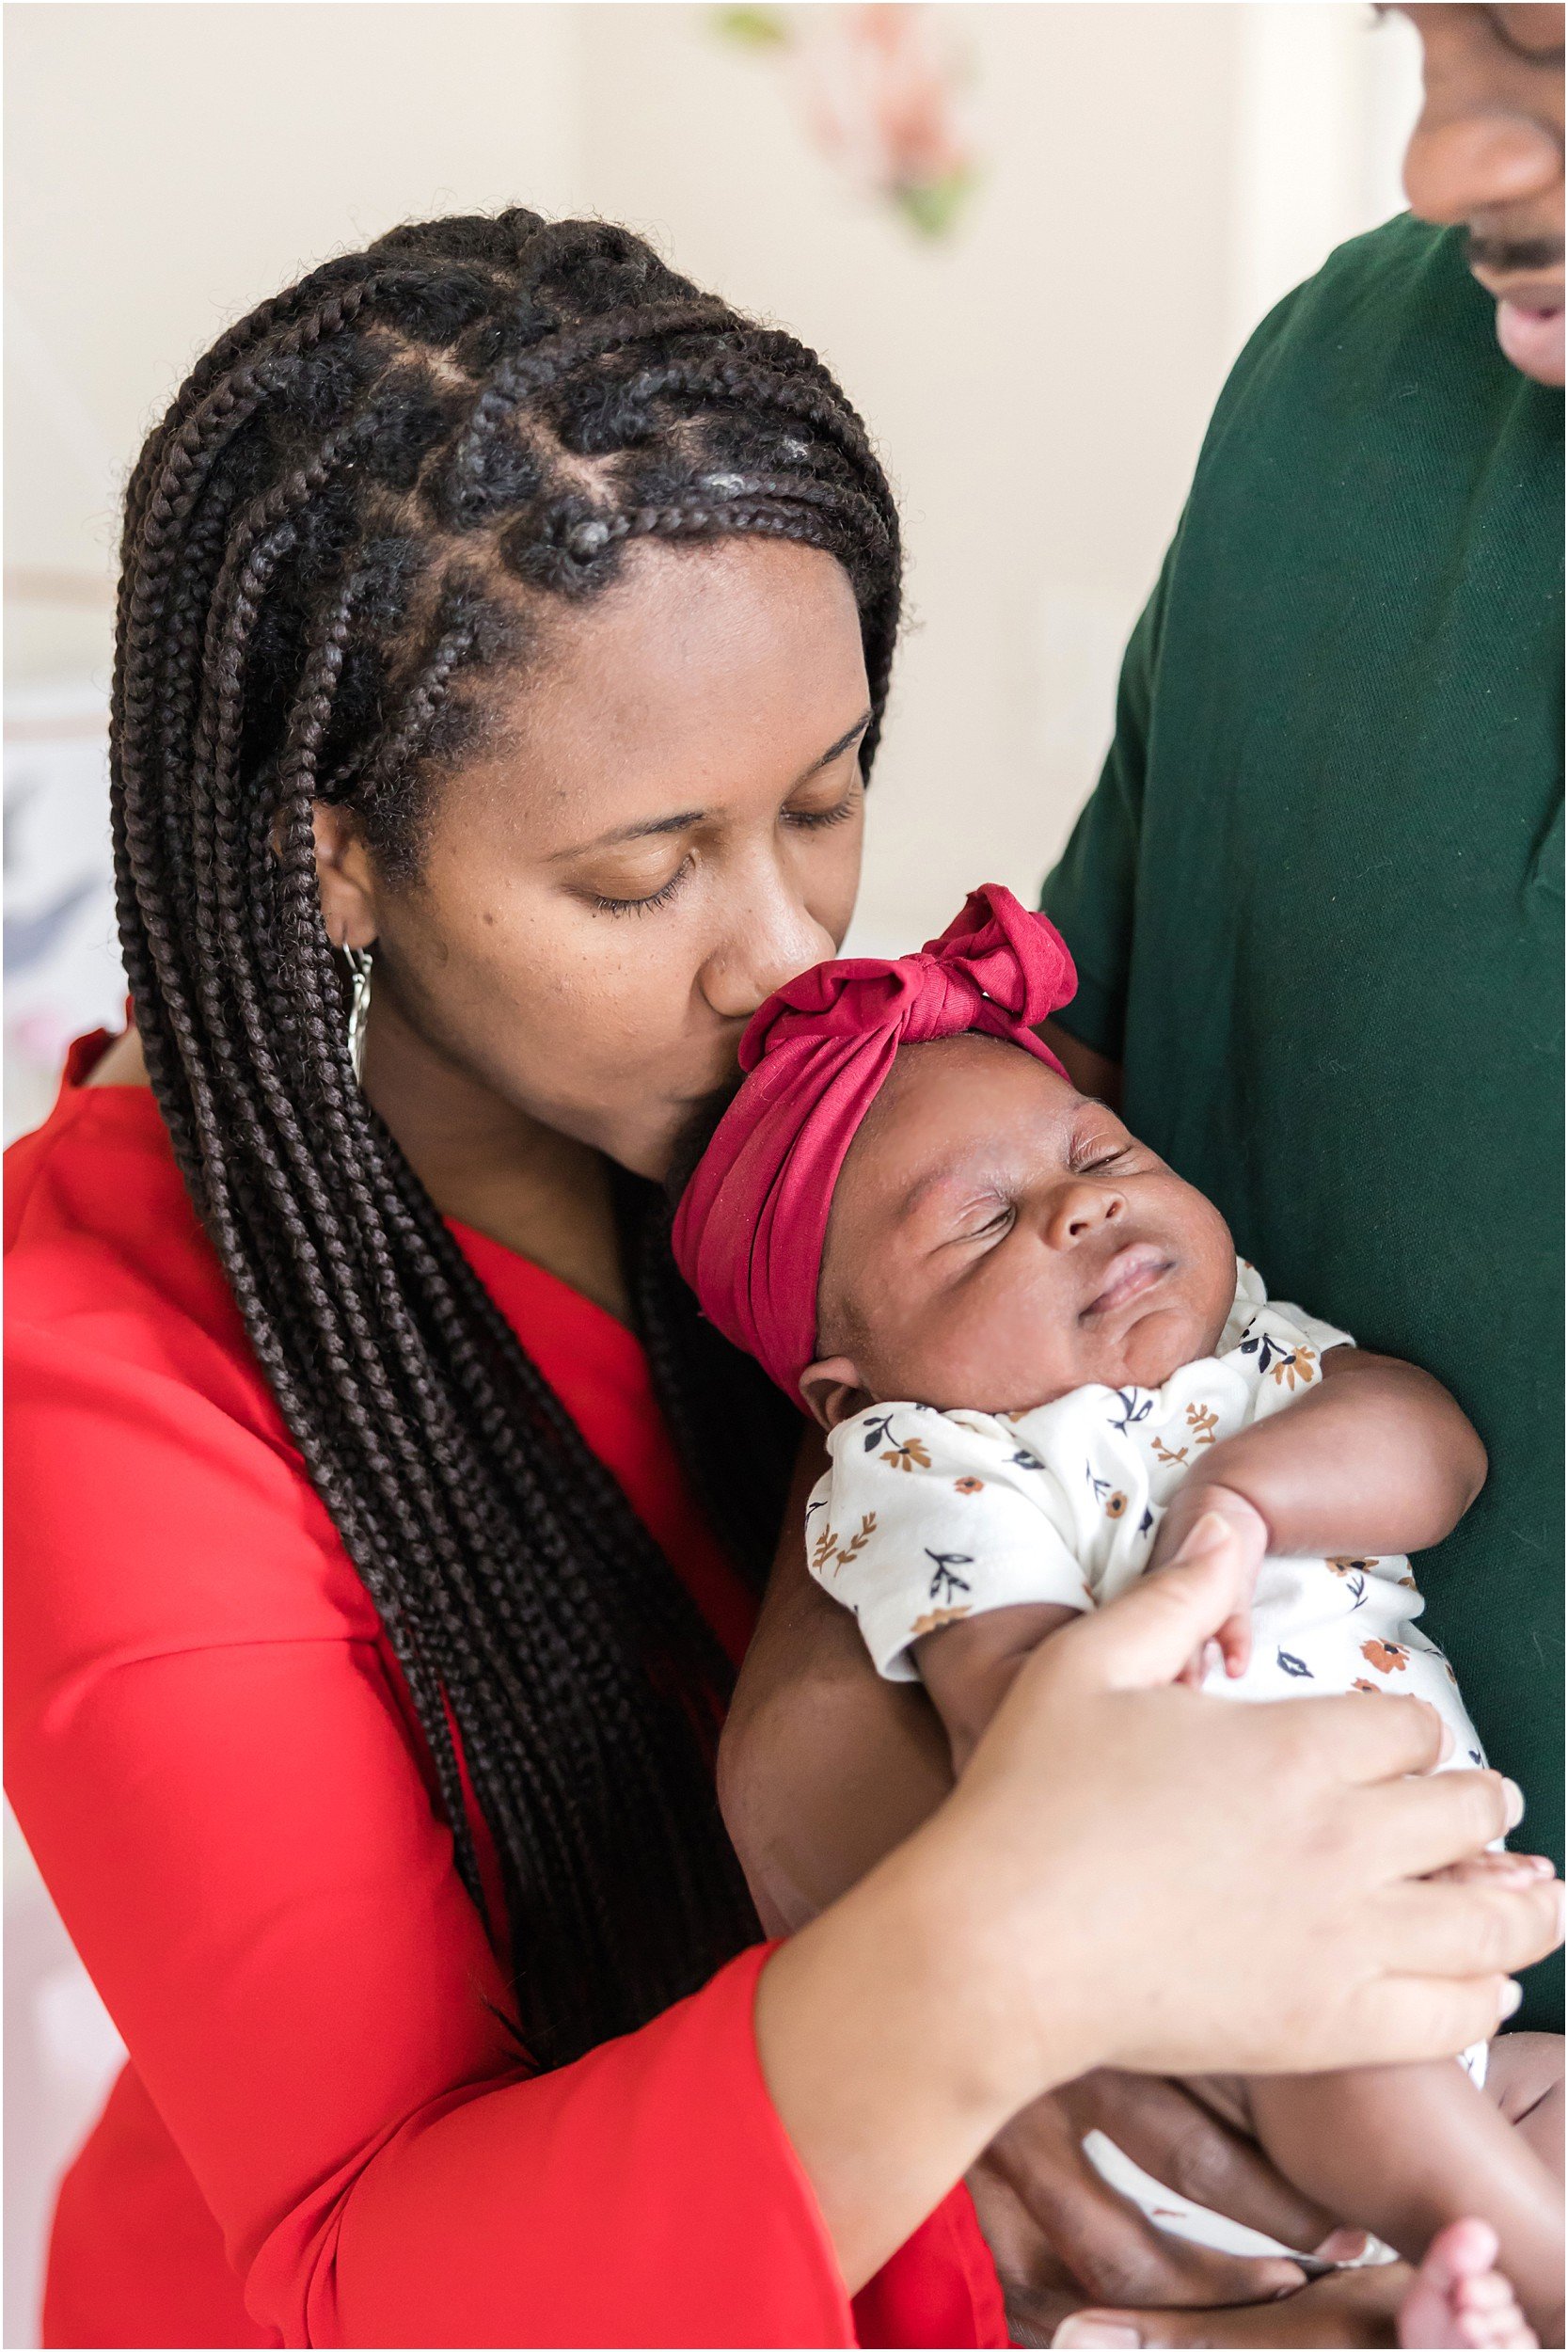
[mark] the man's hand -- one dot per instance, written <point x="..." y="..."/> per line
<point x="1060" y="2234"/>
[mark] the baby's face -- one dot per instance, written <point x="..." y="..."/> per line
<point x="997" y="1238"/>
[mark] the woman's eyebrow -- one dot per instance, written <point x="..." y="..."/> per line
<point x="644" y="830"/>
<point x="835" y="751"/>
<point x="649" y="828"/>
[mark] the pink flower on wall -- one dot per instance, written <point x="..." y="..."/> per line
<point x="881" y="90"/>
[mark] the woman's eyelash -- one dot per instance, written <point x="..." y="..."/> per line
<point x="644" y="906"/>
<point x="812" y="819"/>
<point x="807" y="821"/>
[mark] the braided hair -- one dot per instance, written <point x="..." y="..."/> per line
<point x="369" y="493"/>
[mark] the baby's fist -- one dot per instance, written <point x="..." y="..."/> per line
<point x="1221" y="1522"/>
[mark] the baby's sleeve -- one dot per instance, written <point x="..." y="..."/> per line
<point x="1282" y="1353"/>
<point x="926" y="1517"/>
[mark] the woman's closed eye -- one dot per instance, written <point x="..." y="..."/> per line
<point x="660" y="898"/>
<point x="837" y="813"/>
<point x="806" y="819"/>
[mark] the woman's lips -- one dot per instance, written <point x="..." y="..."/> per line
<point x="1130" y="1272"/>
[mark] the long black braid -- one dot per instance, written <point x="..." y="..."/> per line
<point x="361" y="498"/>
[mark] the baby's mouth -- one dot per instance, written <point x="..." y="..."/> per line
<point x="1130" y="1273"/>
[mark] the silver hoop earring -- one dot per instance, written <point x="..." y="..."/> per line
<point x="359" y="1011"/>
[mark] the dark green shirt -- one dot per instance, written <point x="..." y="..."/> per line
<point x="1317" y="898"/>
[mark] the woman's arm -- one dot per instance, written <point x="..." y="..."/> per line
<point x="1026" y="1932"/>
<point x="823" y="1767"/>
<point x="210" y="1756"/>
<point x="1376" y="1458"/>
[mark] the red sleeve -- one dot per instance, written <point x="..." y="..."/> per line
<point x="210" y="1762"/>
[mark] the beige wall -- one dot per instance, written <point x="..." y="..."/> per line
<point x="1153" y="176"/>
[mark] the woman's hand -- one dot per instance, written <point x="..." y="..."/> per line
<point x="1349" y="2307"/>
<point x="1194" y="1887"/>
<point x="1132" y="1875"/>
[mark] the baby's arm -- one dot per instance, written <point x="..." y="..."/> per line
<point x="968" y="1668"/>
<point x="1376" y="1458"/>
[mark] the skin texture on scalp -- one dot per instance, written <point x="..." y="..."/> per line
<point x="985" y="1225"/>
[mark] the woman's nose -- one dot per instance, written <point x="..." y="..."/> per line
<point x="770" y="937"/>
<point x="1079" y="1208"/>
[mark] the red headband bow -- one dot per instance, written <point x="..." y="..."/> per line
<point x="750" y="1230"/>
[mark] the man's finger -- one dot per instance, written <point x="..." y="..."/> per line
<point x="1177" y="2139"/>
<point x="1354" y="2307"/>
<point x="1113" y="2249"/>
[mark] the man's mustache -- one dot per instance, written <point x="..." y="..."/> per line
<point x="1515" y="256"/>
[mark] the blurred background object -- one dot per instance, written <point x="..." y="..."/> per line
<point x="1029" y="238"/>
<point x="881" y="90"/>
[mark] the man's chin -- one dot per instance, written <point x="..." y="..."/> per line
<point x="1532" y="340"/>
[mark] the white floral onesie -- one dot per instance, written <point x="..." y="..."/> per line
<point x="928" y="1516"/>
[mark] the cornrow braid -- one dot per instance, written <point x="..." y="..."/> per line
<point x="357" y="505"/>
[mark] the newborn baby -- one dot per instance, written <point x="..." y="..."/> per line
<point x="1044" y="1371"/>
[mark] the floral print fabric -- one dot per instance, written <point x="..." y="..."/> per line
<point x="925" y="1517"/>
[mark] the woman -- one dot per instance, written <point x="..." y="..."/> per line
<point x="504" y="615"/>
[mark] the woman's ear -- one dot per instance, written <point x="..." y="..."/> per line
<point x="343" y="873"/>
<point x="833" y="1389"/>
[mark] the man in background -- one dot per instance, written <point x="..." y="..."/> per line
<point x="1316" y="899"/>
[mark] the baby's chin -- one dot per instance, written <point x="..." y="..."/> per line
<point x="1160" y="1343"/>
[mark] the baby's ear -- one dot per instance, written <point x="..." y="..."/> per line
<point x="833" y="1389"/>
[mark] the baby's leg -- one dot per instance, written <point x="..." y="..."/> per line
<point x="1405" y="2150"/>
<point x="1524" y="2077"/>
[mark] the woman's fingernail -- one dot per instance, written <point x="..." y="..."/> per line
<point x="1445" y="1742"/>
<point x="1511" y="1995"/>
<point x="1081" y="2329"/>
<point x="1341" y="2245"/>
<point x="1513" y="1802"/>
<point x="1208" y="1536"/>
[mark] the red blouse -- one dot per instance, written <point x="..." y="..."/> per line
<point x="323" y="2136"/>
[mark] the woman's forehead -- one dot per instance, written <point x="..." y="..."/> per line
<point x="704" y="670"/>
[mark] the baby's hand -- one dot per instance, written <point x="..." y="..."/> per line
<point x="968" y="1668"/>
<point x="1217" y="1517"/>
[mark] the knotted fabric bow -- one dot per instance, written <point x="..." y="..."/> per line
<point x="751" y="1224"/>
